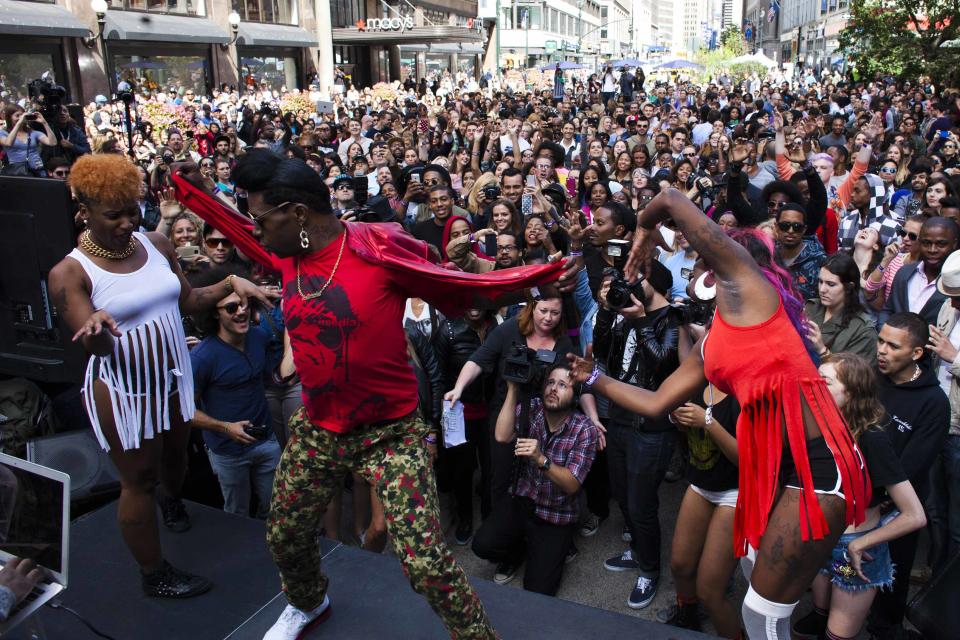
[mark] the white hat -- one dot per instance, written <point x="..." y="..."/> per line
<point x="949" y="281"/>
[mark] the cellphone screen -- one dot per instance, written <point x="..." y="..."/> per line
<point x="526" y="204"/>
<point x="490" y="245"/>
<point x="531" y="180"/>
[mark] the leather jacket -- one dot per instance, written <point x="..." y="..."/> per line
<point x="655" y="355"/>
<point x="455" y="341"/>
<point x="429" y="378"/>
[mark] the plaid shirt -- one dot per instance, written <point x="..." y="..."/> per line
<point x="850" y="225"/>
<point x="573" y="446"/>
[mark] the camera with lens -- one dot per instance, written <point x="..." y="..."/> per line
<point x="376" y="209"/>
<point x="490" y="192"/>
<point x="47" y="95"/>
<point x="527" y="367"/>
<point x="167" y="158"/>
<point x="695" y="312"/>
<point x="618" y="295"/>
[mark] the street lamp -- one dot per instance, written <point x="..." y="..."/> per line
<point x="99" y="7"/>
<point x="760" y="35"/>
<point x="234" y="21"/>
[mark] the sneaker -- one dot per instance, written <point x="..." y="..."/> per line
<point x="590" y="526"/>
<point x="572" y="554"/>
<point x="685" y="617"/>
<point x="464" y="532"/>
<point x="294" y="624"/>
<point x="664" y="615"/>
<point x="175" y="515"/>
<point x="623" y="562"/>
<point x="643" y="592"/>
<point x="506" y="572"/>
<point x="812" y="625"/>
<point x="625" y="535"/>
<point x="169" y="582"/>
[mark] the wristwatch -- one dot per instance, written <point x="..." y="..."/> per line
<point x="546" y="464"/>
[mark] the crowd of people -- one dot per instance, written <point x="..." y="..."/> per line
<point x="759" y="292"/>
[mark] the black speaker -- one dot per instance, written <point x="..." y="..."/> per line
<point x="36" y="232"/>
<point x="79" y="455"/>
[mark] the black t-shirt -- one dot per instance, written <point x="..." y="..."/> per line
<point x="595" y="264"/>
<point x="429" y="232"/>
<point x="883" y="463"/>
<point x="709" y="469"/>
<point x="490" y="356"/>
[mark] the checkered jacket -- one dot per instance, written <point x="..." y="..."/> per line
<point x="573" y="446"/>
<point x="877" y="218"/>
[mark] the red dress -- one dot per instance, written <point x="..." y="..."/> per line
<point x="768" y="370"/>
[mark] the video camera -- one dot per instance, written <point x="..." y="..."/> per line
<point x="526" y="366"/>
<point x="47" y="95"/>
<point x="375" y="209"/>
<point x="618" y="296"/>
<point x="695" y="312"/>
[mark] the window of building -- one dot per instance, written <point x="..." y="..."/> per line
<point x="18" y="69"/>
<point x="531" y="16"/>
<point x="160" y="72"/>
<point x="272" y="11"/>
<point x="182" y="7"/>
<point x="554" y="21"/>
<point x="276" y="72"/>
<point x="345" y="13"/>
<point x="506" y="17"/>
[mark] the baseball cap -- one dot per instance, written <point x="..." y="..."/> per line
<point x="100" y="99"/>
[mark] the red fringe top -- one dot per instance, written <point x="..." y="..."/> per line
<point x="767" y="368"/>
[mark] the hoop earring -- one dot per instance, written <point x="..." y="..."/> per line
<point x="304" y="238"/>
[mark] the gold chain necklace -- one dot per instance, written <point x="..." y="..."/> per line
<point x="87" y="244"/>
<point x="326" y="284"/>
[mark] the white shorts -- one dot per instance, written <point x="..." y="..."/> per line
<point x="726" y="498"/>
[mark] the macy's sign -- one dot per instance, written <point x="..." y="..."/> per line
<point x="385" y="24"/>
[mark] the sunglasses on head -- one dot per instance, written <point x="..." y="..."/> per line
<point x="903" y="233"/>
<point x="213" y="243"/>
<point x="232" y="307"/>
<point x="796" y="227"/>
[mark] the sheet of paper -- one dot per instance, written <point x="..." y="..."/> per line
<point x="454" y="425"/>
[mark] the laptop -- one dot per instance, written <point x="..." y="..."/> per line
<point x="35" y="524"/>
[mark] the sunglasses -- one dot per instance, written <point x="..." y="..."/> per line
<point x="786" y="227"/>
<point x="775" y="205"/>
<point x="888" y="170"/>
<point x="257" y="217"/>
<point x="62" y="174"/>
<point x="232" y="307"/>
<point x="903" y="233"/>
<point x="206" y="165"/>
<point x="213" y="243"/>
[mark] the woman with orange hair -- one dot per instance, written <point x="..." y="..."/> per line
<point x="123" y="293"/>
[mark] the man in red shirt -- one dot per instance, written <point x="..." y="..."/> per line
<point x="345" y="286"/>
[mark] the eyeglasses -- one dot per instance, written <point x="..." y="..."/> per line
<point x="257" y="217"/>
<point x="888" y="170"/>
<point x="909" y="235"/>
<point x="690" y="154"/>
<point x="796" y="227"/>
<point x="506" y="248"/>
<point x="213" y="243"/>
<point x="232" y="307"/>
<point x="206" y="165"/>
<point x="61" y="173"/>
<point x="775" y="205"/>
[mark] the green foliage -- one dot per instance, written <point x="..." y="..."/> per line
<point x="732" y="41"/>
<point x="903" y="37"/>
<point x="732" y="45"/>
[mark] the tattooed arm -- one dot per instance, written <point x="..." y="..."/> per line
<point x="743" y="293"/>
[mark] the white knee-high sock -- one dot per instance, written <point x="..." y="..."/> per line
<point x="766" y="620"/>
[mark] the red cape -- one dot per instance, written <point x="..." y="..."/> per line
<point x="384" y="244"/>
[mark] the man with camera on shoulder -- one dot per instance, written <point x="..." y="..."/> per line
<point x="229" y="366"/>
<point x="636" y="338"/>
<point x="554" y="445"/>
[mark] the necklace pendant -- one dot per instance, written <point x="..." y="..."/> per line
<point x="708" y="416"/>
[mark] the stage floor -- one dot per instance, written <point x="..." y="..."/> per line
<point x="370" y="597"/>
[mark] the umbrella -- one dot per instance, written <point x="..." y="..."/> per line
<point x="564" y="66"/>
<point x="626" y="62"/>
<point x="757" y="58"/>
<point x="679" y="64"/>
<point x="144" y="64"/>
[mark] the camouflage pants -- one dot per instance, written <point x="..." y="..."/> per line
<point x="393" y="459"/>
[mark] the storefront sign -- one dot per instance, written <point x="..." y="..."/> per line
<point x="385" y="24"/>
<point x="550" y="46"/>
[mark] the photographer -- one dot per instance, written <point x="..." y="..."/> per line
<point x="343" y="194"/>
<point x="71" y="140"/>
<point x="229" y="368"/>
<point x="554" y="452"/>
<point x="21" y="142"/>
<point x="637" y="338"/>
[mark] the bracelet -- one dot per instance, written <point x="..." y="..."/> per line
<point x="594" y="376"/>
<point x="575" y="254"/>
<point x="228" y="282"/>
<point x="225" y="428"/>
<point x="471" y="239"/>
<point x="880" y="267"/>
<point x="430" y="438"/>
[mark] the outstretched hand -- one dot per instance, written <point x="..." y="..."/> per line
<point x="582" y="366"/>
<point x="641" y="253"/>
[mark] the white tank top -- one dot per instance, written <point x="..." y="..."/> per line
<point x="150" y="362"/>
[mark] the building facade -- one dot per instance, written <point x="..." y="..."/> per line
<point x="534" y="33"/>
<point x="811" y="31"/>
<point x="764" y="18"/>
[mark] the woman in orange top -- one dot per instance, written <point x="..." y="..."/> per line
<point x="801" y="478"/>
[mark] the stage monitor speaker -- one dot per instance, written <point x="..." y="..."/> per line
<point x="36" y="232"/>
<point x="79" y="455"/>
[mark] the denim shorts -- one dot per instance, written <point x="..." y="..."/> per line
<point x="879" y="569"/>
